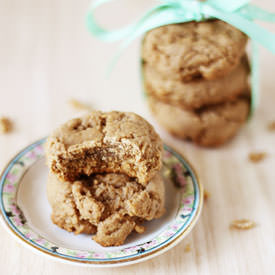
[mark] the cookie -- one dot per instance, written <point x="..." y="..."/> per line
<point x="65" y="213"/>
<point x="114" y="230"/>
<point x="208" y="126"/>
<point x="110" y="205"/>
<point x="199" y="92"/>
<point x="187" y="51"/>
<point x="112" y="142"/>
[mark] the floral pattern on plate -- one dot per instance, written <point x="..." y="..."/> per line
<point x="176" y="171"/>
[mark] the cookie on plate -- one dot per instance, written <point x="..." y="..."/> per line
<point x="65" y="214"/>
<point x="209" y="126"/>
<point x="111" y="142"/>
<point x="188" y="51"/>
<point x="110" y="205"/>
<point x="199" y="92"/>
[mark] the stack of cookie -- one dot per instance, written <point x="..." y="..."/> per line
<point x="196" y="78"/>
<point x="105" y="175"/>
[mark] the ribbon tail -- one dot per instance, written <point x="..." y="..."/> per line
<point x="254" y="31"/>
<point x="96" y="29"/>
<point x="255" y="79"/>
<point x="165" y="16"/>
<point x="119" y="34"/>
<point x="252" y="12"/>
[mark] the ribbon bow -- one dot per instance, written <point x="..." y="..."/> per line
<point x="239" y="13"/>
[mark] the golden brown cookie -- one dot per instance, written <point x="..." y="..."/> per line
<point x="113" y="142"/>
<point x="64" y="211"/>
<point x="199" y="92"/>
<point x="114" y="230"/>
<point x="208" y="126"/>
<point x="192" y="50"/>
<point x="110" y="205"/>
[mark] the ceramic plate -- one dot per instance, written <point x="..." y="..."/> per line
<point x="26" y="213"/>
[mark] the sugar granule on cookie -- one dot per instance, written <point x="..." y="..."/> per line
<point x="111" y="142"/>
<point x="76" y="104"/>
<point x="243" y="224"/>
<point x="257" y="156"/>
<point x="5" y="125"/>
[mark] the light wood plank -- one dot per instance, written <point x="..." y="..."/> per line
<point x="47" y="56"/>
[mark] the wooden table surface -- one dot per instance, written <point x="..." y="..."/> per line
<point x="47" y="57"/>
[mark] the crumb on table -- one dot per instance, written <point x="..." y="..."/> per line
<point x="76" y="104"/>
<point x="206" y="195"/>
<point x="5" y="125"/>
<point x="257" y="156"/>
<point x="243" y="224"/>
<point x="187" y="248"/>
<point x="271" y="126"/>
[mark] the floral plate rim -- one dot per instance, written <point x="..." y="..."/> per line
<point x="105" y="262"/>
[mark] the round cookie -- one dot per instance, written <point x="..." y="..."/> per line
<point x="187" y="51"/>
<point x="199" y="92"/>
<point x="112" y="142"/>
<point x="209" y="126"/>
<point x="111" y="205"/>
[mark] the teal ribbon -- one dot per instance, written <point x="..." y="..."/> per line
<point x="239" y="13"/>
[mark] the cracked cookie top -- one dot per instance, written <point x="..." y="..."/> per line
<point x="187" y="51"/>
<point x="112" y="142"/>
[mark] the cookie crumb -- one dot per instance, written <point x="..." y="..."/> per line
<point x="139" y="229"/>
<point x="5" y="125"/>
<point x="187" y="248"/>
<point x="76" y="104"/>
<point x="271" y="126"/>
<point x="206" y="195"/>
<point x="243" y="224"/>
<point x="257" y="157"/>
